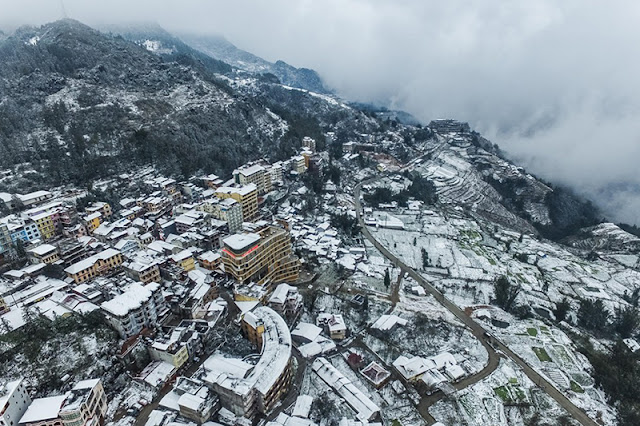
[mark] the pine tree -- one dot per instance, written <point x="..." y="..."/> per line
<point x="387" y="278"/>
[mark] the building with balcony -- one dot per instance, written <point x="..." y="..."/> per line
<point x="287" y="301"/>
<point x="85" y="404"/>
<point x="139" y="306"/>
<point x="96" y="265"/>
<point x="255" y="174"/>
<point x="263" y="256"/>
<point x="249" y="389"/>
<point x="246" y="195"/>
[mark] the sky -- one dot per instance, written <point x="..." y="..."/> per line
<point x="554" y="83"/>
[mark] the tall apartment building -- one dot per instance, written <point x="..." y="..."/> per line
<point x="309" y="143"/>
<point x="246" y="195"/>
<point x="85" y="404"/>
<point x="276" y="172"/>
<point x="96" y="265"/>
<point x="138" y="307"/>
<point x="228" y="210"/>
<point x="247" y="389"/>
<point x="263" y="257"/>
<point x="14" y="401"/>
<point x="255" y="174"/>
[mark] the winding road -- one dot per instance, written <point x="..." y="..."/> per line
<point x="490" y="343"/>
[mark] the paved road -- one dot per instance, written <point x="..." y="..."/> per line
<point x="489" y="342"/>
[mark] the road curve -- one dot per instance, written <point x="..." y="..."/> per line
<point x="488" y="341"/>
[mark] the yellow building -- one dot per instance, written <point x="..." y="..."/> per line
<point x="85" y="405"/>
<point x="246" y="195"/>
<point x="96" y="265"/>
<point x="46" y="224"/>
<point x="92" y="221"/>
<point x="174" y="355"/>
<point x="299" y="164"/>
<point x="3" y="306"/>
<point x="263" y="257"/>
<point x="185" y="260"/>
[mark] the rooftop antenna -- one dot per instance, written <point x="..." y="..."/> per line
<point x="64" y="10"/>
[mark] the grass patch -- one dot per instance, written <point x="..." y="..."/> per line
<point x="541" y="354"/>
<point x="533" y="332"/>
<point x="576" y="387"/>
<point x="503" y="393"/>
<point x="513" y="381"/>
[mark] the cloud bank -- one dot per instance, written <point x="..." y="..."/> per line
<point x="555" y="84"/>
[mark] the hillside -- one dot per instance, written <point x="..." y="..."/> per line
<point x="109" y="103"/>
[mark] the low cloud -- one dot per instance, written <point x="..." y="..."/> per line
<point x="553" y="83"/>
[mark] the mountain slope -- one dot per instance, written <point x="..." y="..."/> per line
<point x="77" y="104"/>
<point x="220" y="48"/>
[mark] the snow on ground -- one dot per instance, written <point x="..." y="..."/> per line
<point x="506" y="397"/>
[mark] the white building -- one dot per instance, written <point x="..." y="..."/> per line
<point x="286" y="300"/>
<point x="138" y="307"/>
<point x="14" y="401"/>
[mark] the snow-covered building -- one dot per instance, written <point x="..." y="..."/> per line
<point x="14" y="401"/>
<point x="334" y="324"/>
<point x="247" y="389"/>
<point x="286" y="300"/>
<point x="366" y="409"/>
<point x="44" y="412"/>
<point x="138" y="307"/>
<point x="85" y="404"/>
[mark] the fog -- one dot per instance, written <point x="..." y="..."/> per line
<point x="555" y="84"/>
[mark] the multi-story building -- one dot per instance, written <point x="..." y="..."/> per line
<point x="264" y="256"/>
<point x="85" y="404"/>
<point x="287" y="301"/>
<point x="44" y="412"/>
<point x="46" y="218"/>
<point x="210" y="260"/>
<point x="247" y="389"/>
<point x="35" y="197"/>
<point x="14" y="401"/>
<point x="276" y="172"/>
<point x="102" y="207"/>
<point x="228" y="210"/>
<point x="92" y="221"/>
<point x="185" y="260"/>
<point x="138" y="307"/>
<point x="44" y="253"/>
<point x="298" y="164"/>
<point x="212" y="181"/>
<point x="177" y="346"/>
<point x="96" y="265"/>
<point x="143" y="269"/>
<point x="255" y="174"/>
<point x="309" y="143"/>
<point x="246" y="195"/>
